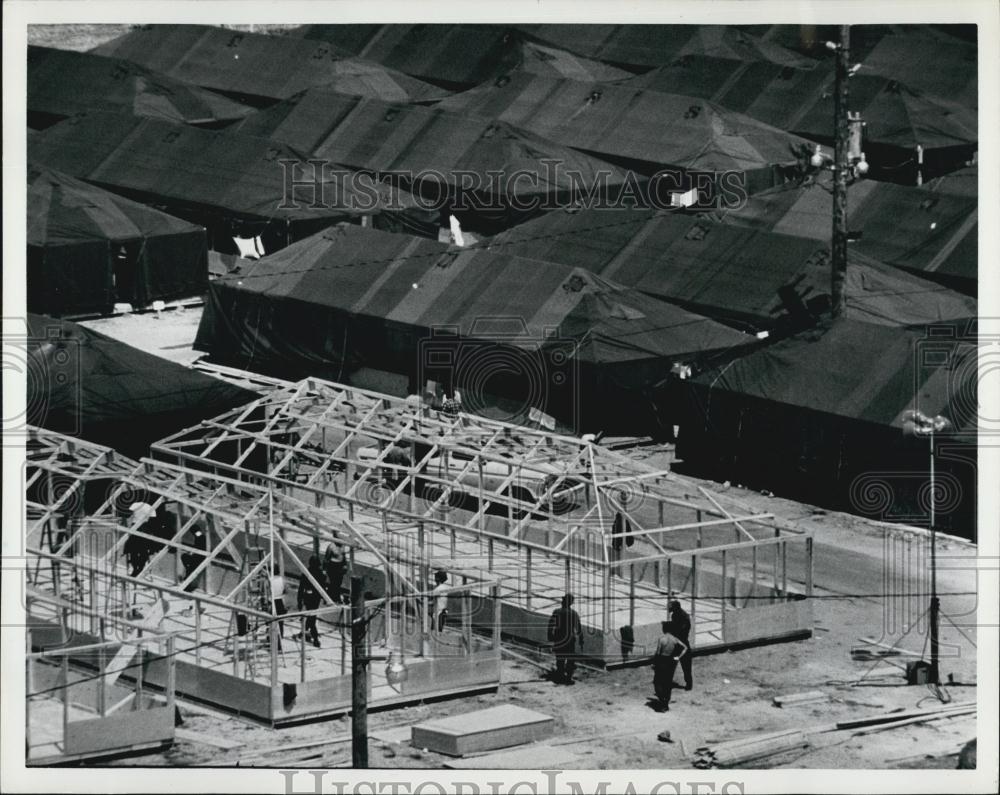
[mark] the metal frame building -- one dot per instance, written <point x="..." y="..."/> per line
<point x="229" y="650"/>
<point x="547" y="513"/>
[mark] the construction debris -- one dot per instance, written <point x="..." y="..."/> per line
<point x="796" y="699"/>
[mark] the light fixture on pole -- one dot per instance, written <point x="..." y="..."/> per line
<point x="921" y="425"/>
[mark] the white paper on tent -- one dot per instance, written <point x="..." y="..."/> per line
<point x="456" y="231"/>
<point x="543" y="419"/>
<point x="686" y="199"/>
<point x="250" y="247"/>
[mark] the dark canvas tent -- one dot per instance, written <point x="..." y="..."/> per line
<point x="63" y="83"/>
<point x="233" y="184"/>
<point x="458" y="56"/>
<point x="350" y="297"/>
<point x="88" y="249"/>
<point x="85" y="384"/>
<point x="739" y="275"/>
<point x="644" y="130"/>
<point x="897" y="118"/>
<point x="639" y="47"/>
<point x="819" y="417"/>
<point x="921" y="230"/>
<point x="493" y="174"/>
<point x="257" y="68"/>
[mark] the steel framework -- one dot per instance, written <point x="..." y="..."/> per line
<point x="551" y="513"/>
<point x="81" y="529"/>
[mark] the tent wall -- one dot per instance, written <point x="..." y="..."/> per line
<point x="70" y="279"/>
<point x="825" y="460"/>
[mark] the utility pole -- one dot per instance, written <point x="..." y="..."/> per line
<point x="359" y="678"/>
<point x="840" y="169"/>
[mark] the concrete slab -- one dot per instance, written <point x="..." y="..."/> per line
<point x="483" y="730"/>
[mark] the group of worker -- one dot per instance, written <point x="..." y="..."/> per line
<point x="326" y="575"/>
<point x="565" y="633"/>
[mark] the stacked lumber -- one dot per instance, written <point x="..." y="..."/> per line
<point x="736" y="752"/>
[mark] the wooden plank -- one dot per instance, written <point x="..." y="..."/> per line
<point x="205" y="739"/>
<point x="482" y="730"/>
<point x="919" y="719"/>
<point x="890" y="717"/>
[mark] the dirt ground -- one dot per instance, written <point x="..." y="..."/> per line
<point x="863" y="587"/>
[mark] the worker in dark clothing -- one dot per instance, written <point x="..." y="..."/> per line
<point x="190" y="559"/>
<point x="669" y="650"/>
<point x="334" y="566"/>
<point x="681" y="623"/>
<point x="309" y="598"/>
<point x="565" y="632"/>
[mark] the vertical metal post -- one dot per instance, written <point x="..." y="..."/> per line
<point x="359" y="677"/>
<point x="809" y="567"/>
<point x="273" y="649"/>
<point x="724" y="595"/>
<point x="631" y="594"/>
<point x="841" y="131"/>
<point x="92" y="586"/>
<point x="495" y="596"/>
<point x="141" y="654"/>
<point x="694" y="586"/>
<point x="302" y="649"/>
<point x="935" y="607"/>
<point x="102" y="680"/>
<point x="197" y="631"/>
<point x="784" y="569"/>
<point x="527" y="578"/>
<point x="467" y="619"/>
<point x="65" y="706"/>
<point x="171" y="673"/>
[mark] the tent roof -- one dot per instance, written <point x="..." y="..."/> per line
<point x="63" y="211"/>
<point x="655" y="45"/>
<point x="92" y="380"/>
<point x="724" y="270"/>
<point x="260" y="65"/>
<point x="909" y="227"/>
<point x="862" y="371"/>
<point x="619" y="121"/>
<point x="224" y="169"/>
<point x="423" y="283"/>
<point x="458" y="55"/>
<point x="929" y="60"/>
<point x="801" y="101"/>
<point x="380" y="136"/>
<point x="63" y="83"/>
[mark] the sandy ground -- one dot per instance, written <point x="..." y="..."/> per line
<point x="864" y="586"/>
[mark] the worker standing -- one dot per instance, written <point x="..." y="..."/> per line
<point x="334" y="566"/>
<point x="440" y="614"/>
<point x="278" y="600"/>
<point x="681" y="623"/>
<point x="565" y="632"/>
<point x="669" y="650"/>
<point x="309" y="598"/>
